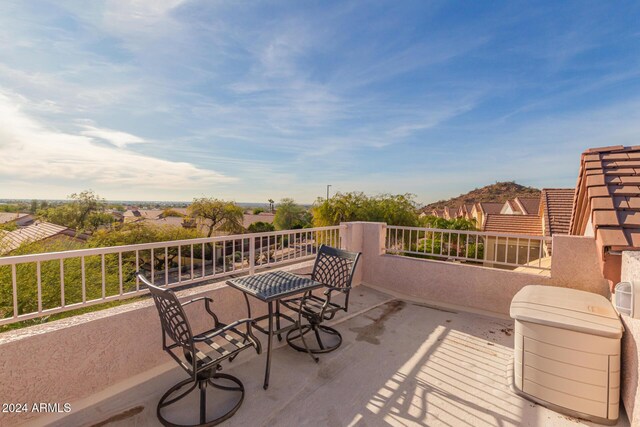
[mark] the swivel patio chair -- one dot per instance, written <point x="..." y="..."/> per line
<point x="222" y="342"/>
<point x="333" y="268"/>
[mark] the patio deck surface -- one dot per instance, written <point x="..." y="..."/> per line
<point x="402" y="363"/>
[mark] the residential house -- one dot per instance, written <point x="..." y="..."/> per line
<point x="38" y="231"/>
<point x="20" y="219"/>
<point x="510" y="249"/>
<point x="482" y="209"/>
<point x="606" y="204"/>
<point x="556" y="205"/>
<point x="521" y="206"/>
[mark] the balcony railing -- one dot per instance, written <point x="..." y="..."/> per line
<point x="43" y="284"/>
<point x="476" y="247"/>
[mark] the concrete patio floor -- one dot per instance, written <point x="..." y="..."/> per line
<point x="402" y="363"/>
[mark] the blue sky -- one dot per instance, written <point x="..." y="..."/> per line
<point x="175" y="99"/>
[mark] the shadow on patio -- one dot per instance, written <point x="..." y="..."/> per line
<point x="401" y="363"/>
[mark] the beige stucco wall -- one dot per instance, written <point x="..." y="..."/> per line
<point x="576" y="264"/>
<point x="630" y="341"/>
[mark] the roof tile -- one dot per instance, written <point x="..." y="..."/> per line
<point x="517" y="224"/>
<point x="629" y="179"/>
<point x="593" y="165"/>
<point x="612" y="236"/>
<point x="605" y="218"/>
<point x="619" y="172"/>
<point x="633" y="202"/>
<point x="627" y="163"/>
<point x="625" y="190"/>
<point x="598" y="192"/>
<point x="602" y="202"/>
<point x="595" y="180"/>
<point x="629" y="219"/>
<point x="605" y="149"/>
<point x="633" y="237"/>
<point x="614" y="156"/>
<point x="620" y="202"/>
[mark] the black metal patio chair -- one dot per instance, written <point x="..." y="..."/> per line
<point x="333" y="268"/>
<point x="199" y="355"/>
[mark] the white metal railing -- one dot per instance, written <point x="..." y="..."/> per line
<point x="37" y="285"/>
<point x="482" y="248"/>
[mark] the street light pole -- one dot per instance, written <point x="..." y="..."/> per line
<point x="329" y="185"/>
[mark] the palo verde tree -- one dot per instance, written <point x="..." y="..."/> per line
<point x="84" y="212"/>
<point x="397" y="209"/>
<point x="214" y="214"/>
<point x="289" y="215"/>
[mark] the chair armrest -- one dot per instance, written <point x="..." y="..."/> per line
<point x="207" y="299"/>
<point x="330" y="289"/>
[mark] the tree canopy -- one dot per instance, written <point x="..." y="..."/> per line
<point x="215" y="214"/>
<point x="397" y="209"/>
<point x="290" y="215"/>
<point x="260" y="227"/>
<point x="85" y="212"/>
<point x="169" y="212"/>
<point x="135" y="233"/>
<point x="450" y="224"/>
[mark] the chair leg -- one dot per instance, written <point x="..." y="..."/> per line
<point x="203" y="401"/>
<point x="202" y="384"/>
<point x="294" y="334"/>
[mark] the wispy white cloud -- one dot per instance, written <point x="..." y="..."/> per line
<point x="35" y="153"/>
<point x="114" y="137"/>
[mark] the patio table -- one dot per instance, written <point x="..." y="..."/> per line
<point x="270" y="288"/>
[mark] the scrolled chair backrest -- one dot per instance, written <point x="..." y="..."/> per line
<point x="334" y="267"/>
<point x="172" y="316"/>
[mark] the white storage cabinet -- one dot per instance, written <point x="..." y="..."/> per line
<point x="567" y="351"/>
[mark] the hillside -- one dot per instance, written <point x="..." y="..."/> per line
<point x="498" y="192"/>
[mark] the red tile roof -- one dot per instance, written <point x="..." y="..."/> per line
<point x="490" y="207"/>
<point x="515" y="224"/>
<point x="32" y="233"/>
<point x="528" y="205"/>
<point x="11" y="216"/>
<point x="607" y="196"/>
<point x="556" y="207"/>
<point x="515" y="207"/>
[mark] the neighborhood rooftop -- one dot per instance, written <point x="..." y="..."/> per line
<point x="37" y="231"/>
<point x="515" y="224"/>
<point x="556" y="205"/>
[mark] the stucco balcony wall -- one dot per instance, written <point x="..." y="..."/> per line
<point x="474" y="288"/>
<point x="70" y="359"/>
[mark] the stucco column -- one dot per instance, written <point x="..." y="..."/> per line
<point x="575" y="264"/>
<point x="367" y="238"/>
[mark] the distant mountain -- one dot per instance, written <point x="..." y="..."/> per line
<point x="498" y="192"/>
